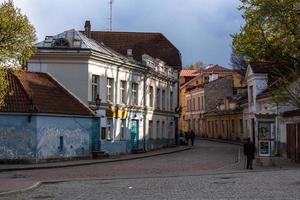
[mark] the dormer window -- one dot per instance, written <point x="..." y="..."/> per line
<point x="61" y="43"/>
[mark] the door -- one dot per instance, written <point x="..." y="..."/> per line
<point x="253" y="131"/>
<point x="134" y="134"/>
<point x="96" y="135"/>
<point x="291" y="141"/>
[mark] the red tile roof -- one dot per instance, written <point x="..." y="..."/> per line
<point x="216" y="68"/>
<point x="154" y="44"/>
<point x="46" y="95"/>
<point x="188" y="73"/>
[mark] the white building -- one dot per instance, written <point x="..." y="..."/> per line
<point x="263" y="121"/>
<point x="138" y="98"/>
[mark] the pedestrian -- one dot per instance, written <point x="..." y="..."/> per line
<point x="187" y="137"/>
<point x="249" y="151"/>
<point x="192" y="136"/>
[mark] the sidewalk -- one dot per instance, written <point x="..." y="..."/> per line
<point x="19" y="167"/>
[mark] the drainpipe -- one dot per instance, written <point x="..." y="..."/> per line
<point x="144" y="109"/>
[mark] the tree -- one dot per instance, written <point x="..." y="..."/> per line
<point x="271" y="33"/>
<point x="196" y="66"/>
<point x="17" y="36"/>
<point x="16" y="39"/>
<point x="238" y="63"/>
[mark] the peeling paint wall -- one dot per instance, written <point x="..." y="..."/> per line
<point x="44" y="137"/>
<point x="63" y="137"/>
<point x="17" y="137"/>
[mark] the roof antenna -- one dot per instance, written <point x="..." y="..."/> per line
<point x="110" y="17"/>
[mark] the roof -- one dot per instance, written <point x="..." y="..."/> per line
<point x="188" y="73"/>
<point x="292" y="113"/>
<point x="77" y="40"/>
<point x="28" y="90"/>
<point x="154" y="44"/>
<point x="216" y="68"/>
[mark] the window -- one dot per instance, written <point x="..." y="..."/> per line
<point x="163" y="99"/>
<point x="163" y="129"/>
<point x="110" y="89"/>
<point x="95" y="87"/>
<point x="123" y="88"/>
<point x="157" y="98"/>
<point x="109" y="135"/>
<point x="206" y="79"/>
<point x="61" y="143"/>
<point x="151" y="96"/>
<point x="216" y="126"/>
<point x="202" y="102"/>
<point x="251" y="93"/>
<point x="171" y="101"/>
<point x="171" y="128"/>
<point x="157" y="130"/>
<point x="123" y="129"/>
<point x="241" y="126"/>
<point x="232" y="126"/>
<point x="194" y="104"/>
<point x="198" y="103"/>
<point x="150" y="129"/>
<point x="134" y="93"/>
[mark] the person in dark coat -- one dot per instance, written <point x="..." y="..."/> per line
<point x="187" y="137"/>
<point x="249" y="151"/>
<point x="192" y="136"/>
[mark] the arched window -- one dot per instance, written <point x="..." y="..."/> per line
<point x="61" y="42"/>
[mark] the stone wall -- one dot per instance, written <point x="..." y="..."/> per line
<point x="217" y="91"/>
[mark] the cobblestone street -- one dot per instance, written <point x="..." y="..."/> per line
<point x="210" y="170"/>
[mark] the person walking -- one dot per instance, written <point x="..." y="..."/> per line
<point x="192" y="136"/>
<point x="187" y="137"/>
<point x="249" y="151"/>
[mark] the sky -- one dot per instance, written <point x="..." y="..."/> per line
<point x="200" y="29"/>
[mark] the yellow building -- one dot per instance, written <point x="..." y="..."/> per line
<point x="192" y="101"/>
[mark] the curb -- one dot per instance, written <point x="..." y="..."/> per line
<point x="222" y="141"/>
<point x="92" y="163"/>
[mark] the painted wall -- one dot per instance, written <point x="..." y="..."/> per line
<point x="40" y="138"/>
<point x="17" y="137"/>
<point x="75" y="133"/>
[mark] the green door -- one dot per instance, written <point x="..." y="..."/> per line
<point x="134" y="134"/>
<point x="95" y="135"/>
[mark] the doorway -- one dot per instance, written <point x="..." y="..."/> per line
<point x="134" y="134"/>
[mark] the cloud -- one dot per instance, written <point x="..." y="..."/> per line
<point x="200" y="29"/>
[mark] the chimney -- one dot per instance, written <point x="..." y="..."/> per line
<point x="87" y="28"/>
<point x="129" y="54"/>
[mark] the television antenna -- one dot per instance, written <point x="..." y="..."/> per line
<point x="110" y="17"/>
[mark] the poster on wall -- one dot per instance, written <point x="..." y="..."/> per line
<point x="264" y="131"/>
<point x="264" y="148"/>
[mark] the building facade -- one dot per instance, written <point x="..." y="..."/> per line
<point x="133" y="113"/>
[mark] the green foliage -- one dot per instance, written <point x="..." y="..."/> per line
<point x="17" y="36"/>
<point x="271" y="31"/>
<point x="196" y="66"/>
<point x="3" y="86"/>
<point x="271" y="34"/>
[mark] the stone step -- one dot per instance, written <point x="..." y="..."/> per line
<point x="136" y="151"/>
<point x="99" y="154"/>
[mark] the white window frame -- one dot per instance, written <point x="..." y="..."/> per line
<point x="95" y="86"/>
<point x="110" y="90"/>
<point x="134" y="93"/>
<point x="123" y="89"/>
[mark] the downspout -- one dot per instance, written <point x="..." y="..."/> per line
<point x="178" y="106"/>
<point x="144" y="110"/>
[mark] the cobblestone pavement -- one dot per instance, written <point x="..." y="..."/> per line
<point x="208" y="171"/>
<point x="284" y="184"/>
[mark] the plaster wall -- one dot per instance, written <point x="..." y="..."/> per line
<point x="75" y="133"/>
<point x="17" y="137"/>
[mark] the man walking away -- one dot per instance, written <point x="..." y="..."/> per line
<point x="249" y="151"/>
<point x="192" y="136"/>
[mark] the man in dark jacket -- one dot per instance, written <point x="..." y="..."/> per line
<point x="192" y="136"/>
<point x="249" y="151"/>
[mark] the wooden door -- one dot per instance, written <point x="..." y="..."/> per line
<point x="291" y="141"/>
